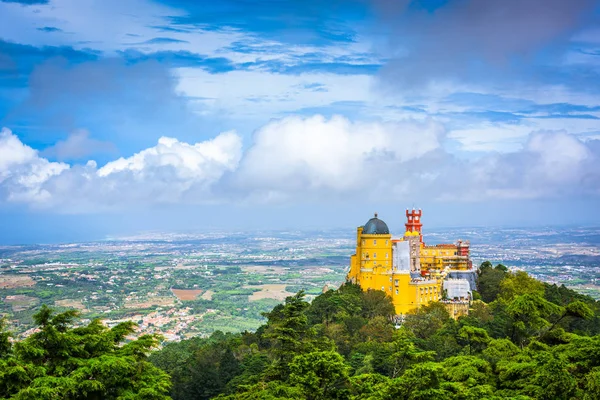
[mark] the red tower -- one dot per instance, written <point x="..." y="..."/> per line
<point x="463" y="251"/>
<point x="413" y="222"/>
<point x="463" y="248"/>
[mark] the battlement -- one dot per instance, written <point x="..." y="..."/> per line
<point x="414" y="213"/>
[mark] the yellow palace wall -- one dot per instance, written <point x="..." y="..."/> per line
<point x="433" y="257"/>
<point x="372" y="268"/>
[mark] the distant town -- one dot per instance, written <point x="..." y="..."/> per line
<point x="185" y="285"/>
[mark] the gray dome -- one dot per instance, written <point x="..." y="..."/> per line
<point x="375" y="226"/>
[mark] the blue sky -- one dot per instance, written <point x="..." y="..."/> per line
<point x="120" y="116"/>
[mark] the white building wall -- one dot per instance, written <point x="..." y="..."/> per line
<point x="457" y="289"/>
<point x="401" y="256"/>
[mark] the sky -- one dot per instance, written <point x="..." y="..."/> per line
<point x="120" y="116"/>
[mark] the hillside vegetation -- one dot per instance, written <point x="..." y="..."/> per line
<point x="88" y="362"/>
<point x="522" y="340"/>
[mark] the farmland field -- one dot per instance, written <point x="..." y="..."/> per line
<point x="15" y="281"/>
<point x="186" y="294"/>
<point x="270" y="291"/>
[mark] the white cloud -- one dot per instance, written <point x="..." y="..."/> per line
<point x="170" y="172"/>
<point x="560" y="156"/>
<point x="491" y="137"/>
<point x="85" y="23"/>
<point x="114" y="25"/>
<point x="206" y="160"/>
<point x="13" y="152"/>
<point x="259" y="96"/>
<point x="314" y="154"/>
<point x="552" y="164"/>
<point x="300" y="159"/>
<point x="23" y="171"/>
<point x="251" y="93"/>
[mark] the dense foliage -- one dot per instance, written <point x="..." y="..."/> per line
<point x="60" y="361"/>
<point x="523" y="340"/>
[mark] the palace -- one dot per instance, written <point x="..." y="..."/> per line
<point x="409" y="271"/>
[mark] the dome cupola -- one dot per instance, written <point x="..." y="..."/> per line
<point x="375" y="226"/>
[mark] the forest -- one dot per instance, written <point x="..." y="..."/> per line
<point x="523" y="339"/>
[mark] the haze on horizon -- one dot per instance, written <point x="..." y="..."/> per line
<point x="125" y="116"/>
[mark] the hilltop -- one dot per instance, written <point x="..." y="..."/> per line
<point x="523" y="339"/>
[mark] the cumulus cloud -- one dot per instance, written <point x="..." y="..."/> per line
<point x="560" y="157"/>
<point x="170" y="172"/>
<point x="297" y="154"/>
<point x="314" y="159"/>
<point x="206" y="160"/>
<point x="23" y="172"/>
<point x="552" y="164"/>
